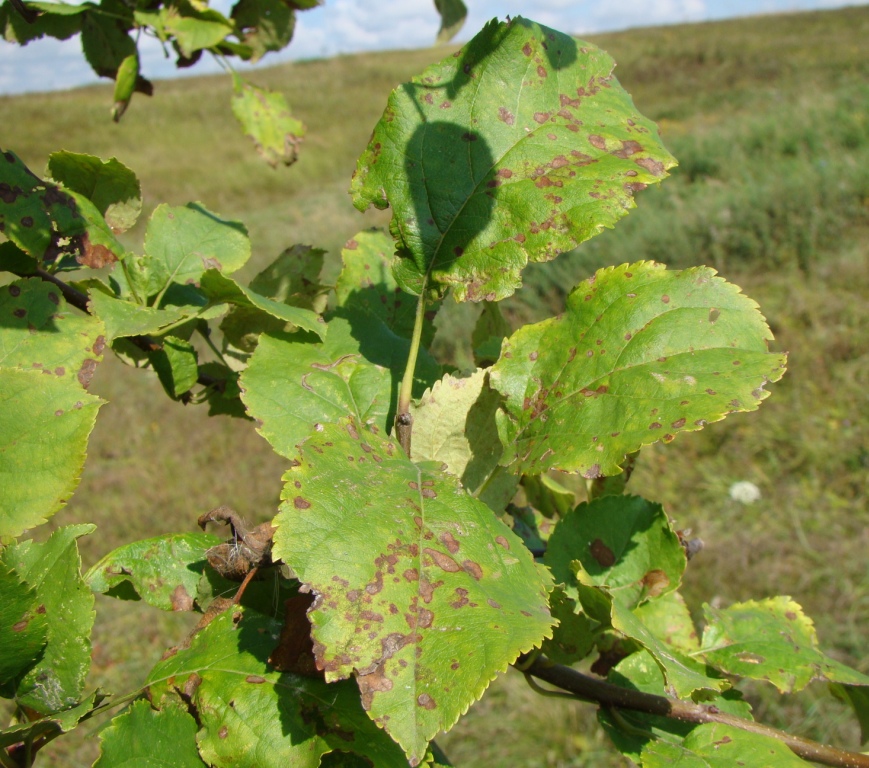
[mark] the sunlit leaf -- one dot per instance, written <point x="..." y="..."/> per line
<point x="264" y="25"/>
<point x="770" y="640"/>
<point x="39" y="331"/>
<point x="53" y="570"/>
<point x="125" y="318"/>
<point x="265" y="116"/>
<point x="147" y="738"/>
<point x="715" y="745"/>
<point x="163" y="571"/>
<point x="640" y="354"/>
<point x="194" y="28"/>
<point x="433" y="600"/>
<point x="44" y="428"/>
<point x="516" y="149"/>
<point x="454" y="423"/>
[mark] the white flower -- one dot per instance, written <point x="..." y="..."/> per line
<point x="745" y="492"/>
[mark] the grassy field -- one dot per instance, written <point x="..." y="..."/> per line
<point x="769" y="118"/>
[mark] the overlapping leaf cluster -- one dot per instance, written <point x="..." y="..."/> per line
<point x="397" y="584"/>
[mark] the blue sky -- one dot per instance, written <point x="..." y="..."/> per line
<point x="347" y="26"/>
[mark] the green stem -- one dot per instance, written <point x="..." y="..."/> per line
<point x="403" y="418"/>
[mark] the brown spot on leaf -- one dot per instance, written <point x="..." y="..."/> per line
<point x="473" y="569"/>
<point x="449" y="541"/>
<point x="180" y="600"/>
<point x="442" y="561"/>
<point x="20" y="312"/>
<point x="255" y="679"/>
<point x="506" y="116"/>
<point x="598" y="142"/>
<point x="526" y="49"/>
<point x="602" y="553"/>
<point x="656" y="581"/>
<point x="86" y="372"/>
<point x="426" y="701"/>
<point x="541" y="117"/>
<point x="503" y="542"/>
<point x="493" y="604"/>
<point x="654" y="167"/>
<point x="679" y="423"/>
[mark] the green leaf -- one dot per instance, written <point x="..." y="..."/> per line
<point x="145" y="738"/>
<point x="770" y="640"/>
<point x="435" y="598"/>
<point x="163" y="571"/>
<point x="176" y="364"/>
<point x="630" y="730"/>
<point x="453" y="14"/>
<point x="58" y="20"/>
<point x="220" y="288"/>
<point x="125" y="85"/>
<point x="294" y="278"/>
<point x="194" y="27"/>
<point x="491" y="329"/>
<point x="858" y="698"/>
<point x="39" y="332"/>
<point x="454" y="423"/>
<point x="548" y="496"/>
<point x="44" y="427"/>
<point x="641" y="354"/>
<point x="181" y="243"/>
<point x="624" y="543"/>
<point x="23" y="627"/>
<point x="105" y="39"/>
<point x="264" y="25"/>
<point x="366" y="282"/>
<point x="518" y="148"/>
<point x="252" y="715"/>
<point x="684" y="675"/>
<point x="669" y="619"/>
<point x="125" y="318"/>
<point x="53" y="569"/>
<point x="265" y="116"/>
<point x="51" y="726"/>
<point x="714" y="745"/>
<point x="109" y="185"/>
<point x="291" y="386"/>
<point x="574" y="636"/>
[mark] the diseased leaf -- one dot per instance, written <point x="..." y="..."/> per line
<point x="109" y="185"/>
<point x="147" y="738"/>
<point x="53" y="570"/>
<point x="641" y="354"/>
<point x="38" y="331"/>
<point x="252" y="715"/>
<point x="516" y="149"/>
<point x="366" y="282"/>
<point x="427" y="606"/>
<point x="220" y="288"/>
<point x="770" y="640"/>
<point x="640" y="672"/>
<point x="264" y="25"/>
<point x="50" y="726"/>
<point x="44" y="428"/>
<point x="624" y="543"/>
<point x="668" y="619"/>
<point x="715" y="745"/>
<point x="454" y="423"/>
<point x="23" y="628"/>
<point x="291" y="386"/>
<point x="265" y="116"/>
<point x="294" y="278"/>
<point x="163" y="571"/>
<point x="453" y="14"/>
<point x="181" y="243"/>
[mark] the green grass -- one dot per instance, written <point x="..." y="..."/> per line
<point x="769" y="119"/>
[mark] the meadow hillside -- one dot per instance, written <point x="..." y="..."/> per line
<point x="769" y="118"/>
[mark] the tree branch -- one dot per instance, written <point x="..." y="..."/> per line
<point x="609" y="695"/>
